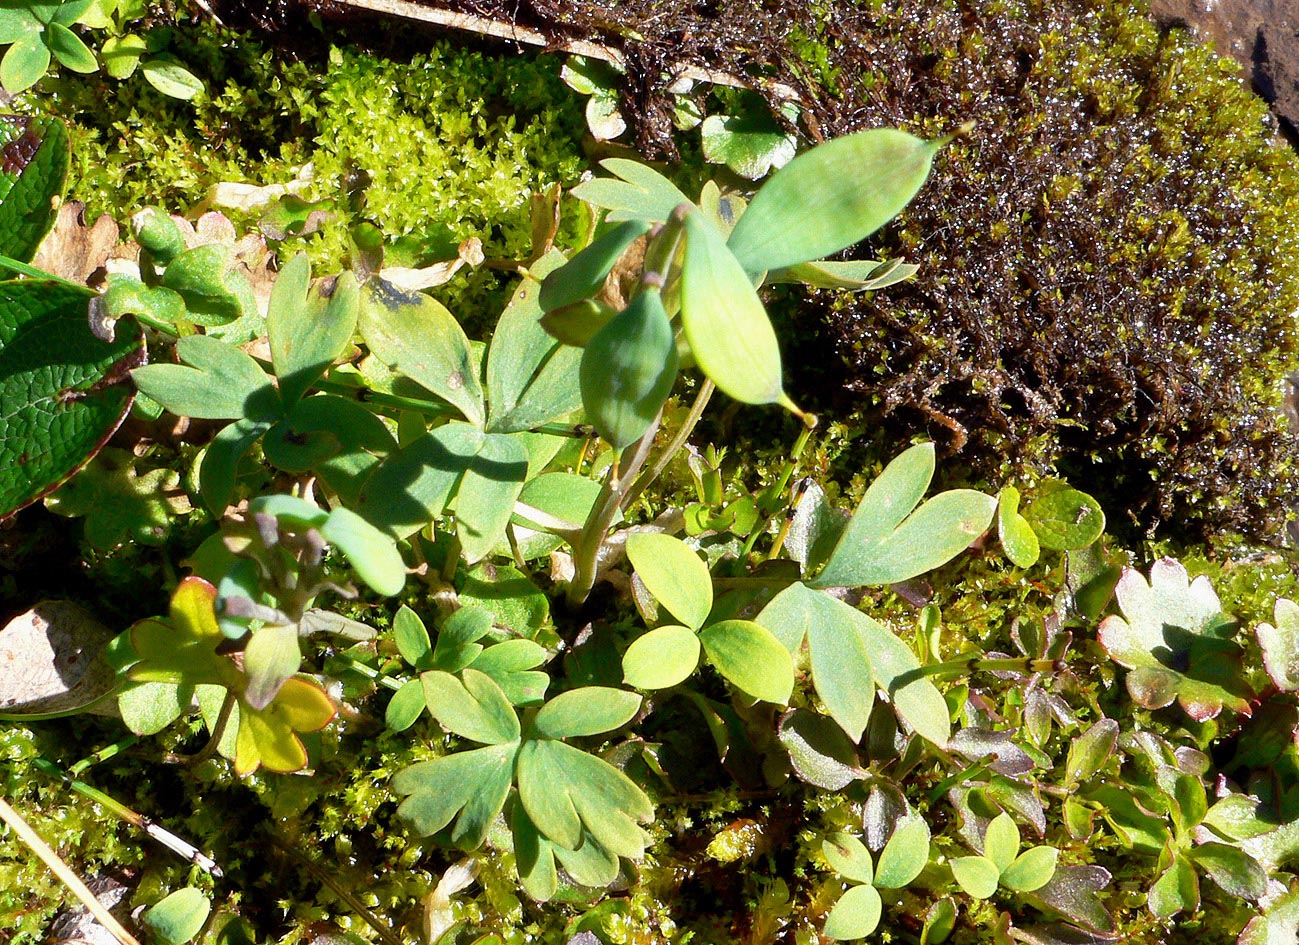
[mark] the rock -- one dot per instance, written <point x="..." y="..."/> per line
<point x="51" y="660"/>
<point x="1262" y="35"/>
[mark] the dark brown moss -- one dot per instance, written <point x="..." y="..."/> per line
<point x="1108" y="280"/>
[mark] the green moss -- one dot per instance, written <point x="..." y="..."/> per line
<point x="1108" y="262"/>
<point x="454" y="142"/>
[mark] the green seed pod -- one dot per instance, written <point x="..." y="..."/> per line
<point x="578" y="323"/>
<point x="724" y="321"/>
<point x="628" y="369"/>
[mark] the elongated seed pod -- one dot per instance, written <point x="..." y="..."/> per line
<point x="628" y="369"/>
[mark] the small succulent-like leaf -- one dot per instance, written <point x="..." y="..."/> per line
<point x="1278" y="924"/>
<point x="904" y="856"/>
<point x="751" y="658"/>
<point x="170" y="77"/>
<point x="724" y="321"/>
<point x="476" y="708"/>
<point x="848" y="857"/>
<point x="1018" y="539"/>
<point x="1074" y="892"/>
<point x="122" y="54"/>
<point x="818" y="749"/>
<point x="1280" y="645"/>
<point x="591" y="710"/>
<point x="1238" y="873"/>
<point x="940" y="920"/>
<point x="1090" y="750"/>
<point x="67" y="47"/>
<point x="1176" y="890"/>
<point x="855" y="915"/>
<point x="661" y="658"/>
<point x="674" y="573"/>
<point x="850" y="186"/>
<point x="1177" y="641"/>
<point x="24" y="64"/>
<point x="1063" y="518"/>
<point x="1031" y="870"/>
<point x="628" y="370"/>
<point x="1001" y="842"/>
<point x="178" y="917"/>
<point x="977" y="875"/>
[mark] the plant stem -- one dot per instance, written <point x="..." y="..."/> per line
<point x="369" y="671"/>
<point x="168" y="839"/>
<point x="779" y="486"/>
<point x="978" y="664"/>
<point x="692" y="419"/>
<point x="586" y="550"/>
<point x="218" y="730"/>
<point x="64" y="872"/>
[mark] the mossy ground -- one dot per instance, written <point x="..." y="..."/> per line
<point x="454" y="142"/>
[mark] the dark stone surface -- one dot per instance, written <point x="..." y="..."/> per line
<point x="1262" y="35"/>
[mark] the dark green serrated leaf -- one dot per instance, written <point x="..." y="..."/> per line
<point x="64" y="391"/>
<point x="34" y="160"/>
